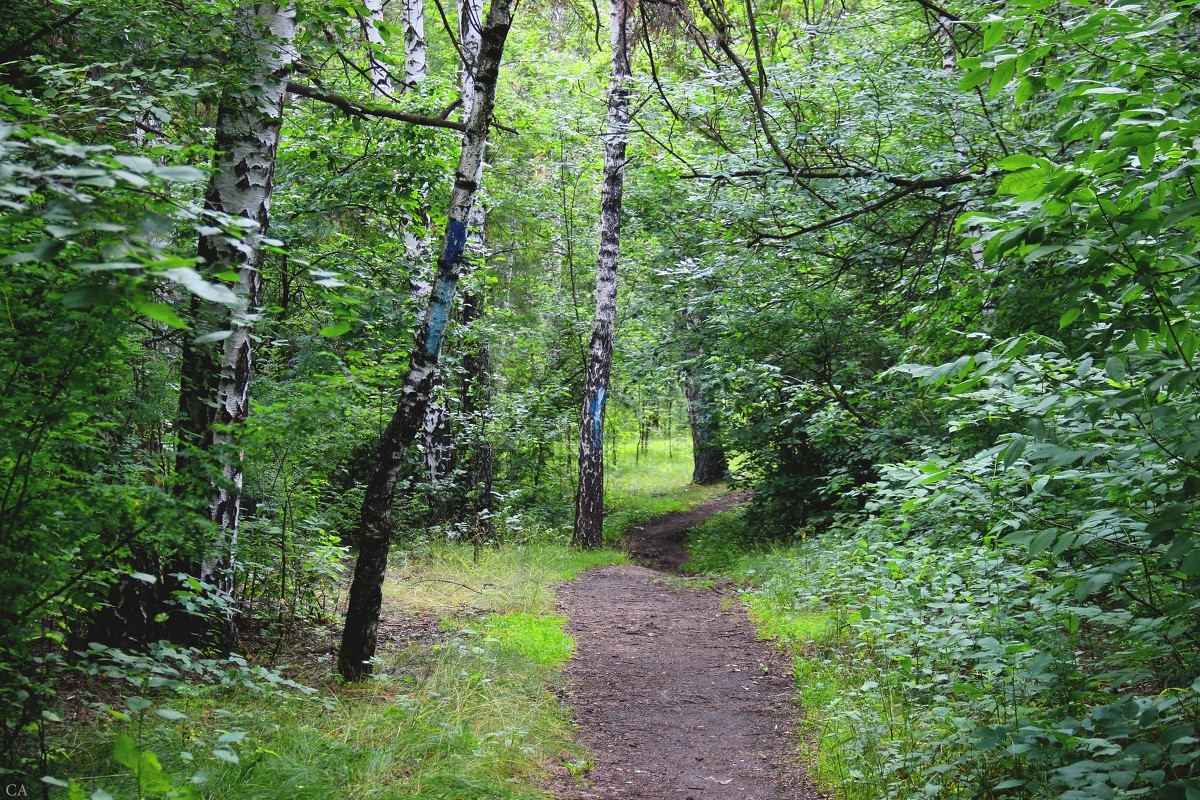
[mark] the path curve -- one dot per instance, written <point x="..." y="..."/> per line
<point x="674" y="695"/>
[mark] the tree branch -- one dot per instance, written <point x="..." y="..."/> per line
<point x="356" y="109"/>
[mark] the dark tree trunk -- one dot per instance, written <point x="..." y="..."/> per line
<point x="708" y="457"/>
<point x="375" y="520"/>
<point x="589" y="495"/>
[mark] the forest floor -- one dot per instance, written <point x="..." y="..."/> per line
<point x="674" y="695"/>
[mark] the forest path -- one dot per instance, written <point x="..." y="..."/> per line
<point x="673" y="694"/>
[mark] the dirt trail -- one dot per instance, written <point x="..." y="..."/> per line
<point x="672" y="692"/>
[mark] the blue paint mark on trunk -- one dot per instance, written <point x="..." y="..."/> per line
<point x="439" y="313"/>
<point x="443" y="288"/>
<point x="456" y="240"/>
<point x="597" y="412"/>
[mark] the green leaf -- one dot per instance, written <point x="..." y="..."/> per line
<point x="170" y="713"/>
<point x="158" y="311"/>
<point x="225" y="754"/>
<point x="179" y="173"/>
<point x="1142" y="338"/>
<point x="1069" y="316"/>
<point x="135" y="163"/>
<point x="336" y="329"/>
<point x="195" y="283"/>
<point x="993" y="32"/>
<point x="1021" y="181"/>
<point x="136" y="704"/>
<point x="974" y="78"/>
<point x="1017" y="161"/>
<point x="1004" y="73"/>
<point x="1115" y="367"/>
<point x="150" y="774"/>
<point x="231" y="737"/>
<point x="1014" y="449"/>
<point x="125" y="750"/>
<point x="1134" y="137"/>
<point x="212" y="336"/>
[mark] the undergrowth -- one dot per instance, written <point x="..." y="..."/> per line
<point x="962" y="669"/>
<point x="467" y="713"/>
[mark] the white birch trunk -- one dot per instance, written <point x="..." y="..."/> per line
<point x="470" y="12"/>
<point x="589" y="496"/>
<point x="415" y="69"/>
<point x="436" y="426"/>
<point x="247" y="137"/>
<point x="381" y="79"/>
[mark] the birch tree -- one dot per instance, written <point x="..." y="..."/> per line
<point x="215" y="381"/>
<point x="441" y="453"/>
<point x="375" y="520"/>
<point x="415" y="68"/>
<point x="381" y="79"/>
<point x="589" y="497"/>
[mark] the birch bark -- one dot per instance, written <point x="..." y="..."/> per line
<point x="375" y="519"/>
<point x="414" y="42"/>
<point x="215" y="380"/>
<point x="589" y="496"/>
<point x="440" y="451"/>
<point x="381" y="79"/>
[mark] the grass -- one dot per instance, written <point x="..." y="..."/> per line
<point x="468" y="715"/>
<point x="446" y="578"/>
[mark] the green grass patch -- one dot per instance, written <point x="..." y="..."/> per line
<point x="540" y="638"/>
<point x="458" y="722"/>
<point x="446" y="578"/>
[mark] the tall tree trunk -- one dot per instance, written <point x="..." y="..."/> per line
<point x="708" y="457"/>
<point x="589" y="496"/>
<point x="381" y="79"/>
<point x="440" y="450"/>
<point x="215" y="381"/>
<point x="375" y="520"/>
<point x="414" y="42"/>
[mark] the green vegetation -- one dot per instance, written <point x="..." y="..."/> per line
<point x="657" y="482"/>
<point x="925" y="274"/>
<point x="464" y="714"/>
<point x="960" y="668"/>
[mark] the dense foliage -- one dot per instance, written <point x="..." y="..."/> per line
<point x="925" y="275"/>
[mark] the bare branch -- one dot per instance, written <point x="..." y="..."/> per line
<point x="356" y="109"/>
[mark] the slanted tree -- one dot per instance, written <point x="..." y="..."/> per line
<point x="375" y="520"/>
<point x="589" y="496"/>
